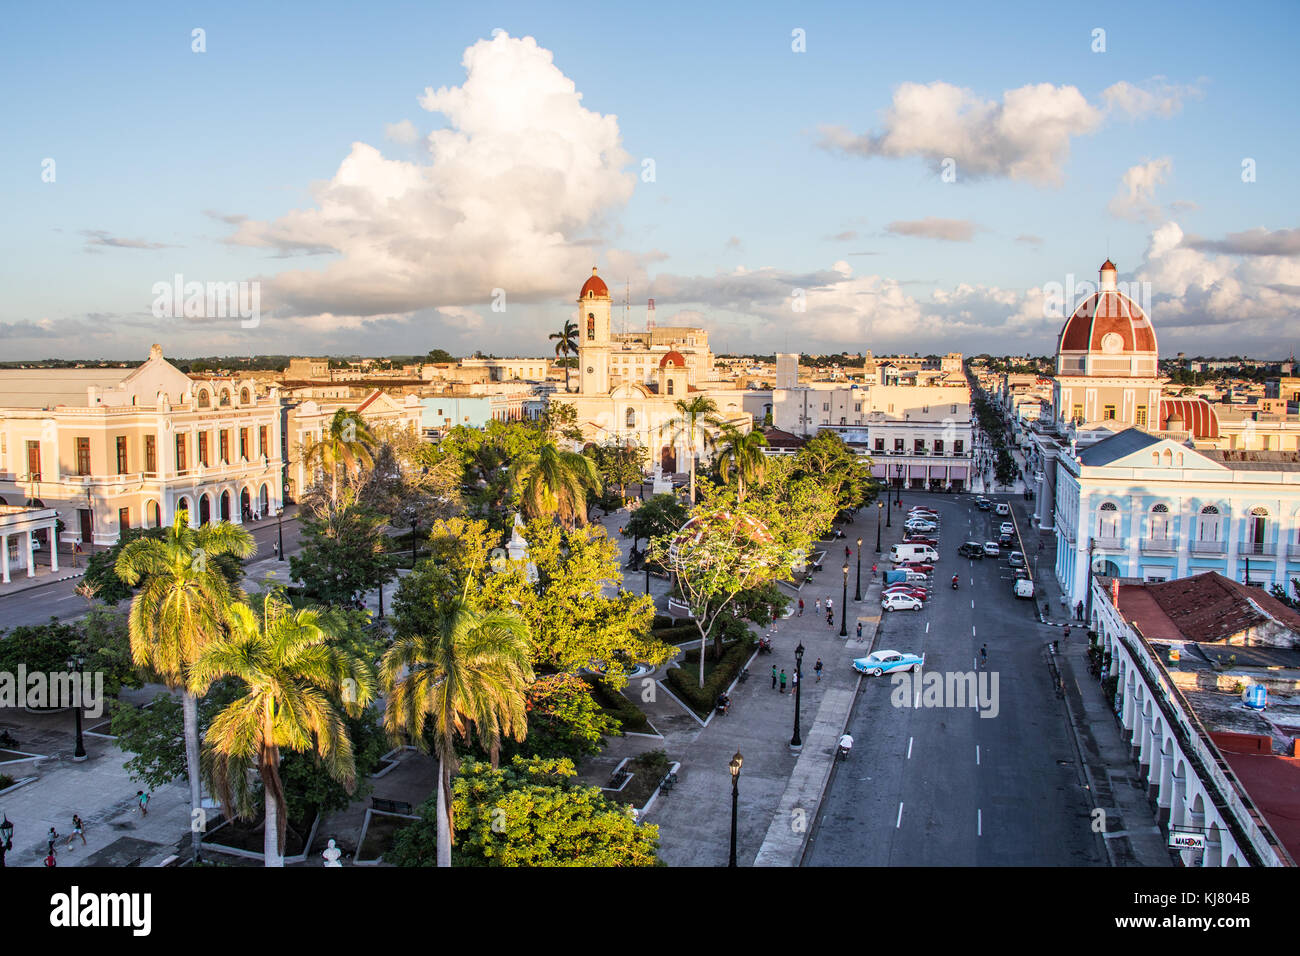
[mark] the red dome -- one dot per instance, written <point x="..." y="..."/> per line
<point x="673" y="358"/>
<point x="595" y="285"/>
<point x="1101" y="314"/>
<point x="1197" y="414"/>
<point x="1108" y="266"/>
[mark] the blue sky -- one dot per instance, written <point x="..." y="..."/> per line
<point x="211" y="165"/>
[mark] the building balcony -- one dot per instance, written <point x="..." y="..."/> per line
<point x="1160" y="545"/>
<point x="1207" y="547"/>
<point x="1110" y="544"/>
<point x="1264" y="549"/>
<point x="1293" y="551"/>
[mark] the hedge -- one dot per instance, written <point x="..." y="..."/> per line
<point x="626" y="712"/>
<point x="685" y="680"/>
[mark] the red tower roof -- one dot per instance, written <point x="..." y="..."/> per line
<point x="673" y="358"/>
<point x="595" y="285"/>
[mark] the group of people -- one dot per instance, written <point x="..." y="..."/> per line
<point x="78" y="830"/>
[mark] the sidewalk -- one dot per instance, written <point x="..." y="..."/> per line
<point x="1131" y="835"/>
<point x="779" y="790"/>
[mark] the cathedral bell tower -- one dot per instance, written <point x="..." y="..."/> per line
<point x="594" y="311"/>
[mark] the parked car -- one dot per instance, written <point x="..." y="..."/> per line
<point x="1023" y="588"/>
<point x="916" y="566"/>
<point x="915" y="577"/>
<point x="924" y="513"/>
<point x="1003" y="508"/>
<point x="983" y="504"/>
<point x="920" y="539"/>
<point x="911" y="590"/>
<point x="971" y="549"/>
<point x="882" y="662"/>
<point x="918" y="525"/>
<point x="1017" y="559"/>
<point x="1006" y="541"/>
<point x="1007" y="528"/>
<point x="991" y="549"/>
<point x="913" y="551"/>
<point x="900" y="602"/>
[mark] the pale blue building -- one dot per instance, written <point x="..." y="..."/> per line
<point x="442" y="412"/>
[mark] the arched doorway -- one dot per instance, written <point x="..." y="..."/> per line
<point x="246" y="505"/>
<point x="264" y="500"/>
<point x="205" y="509"/>
<point x="183" y="504"/>
<point x="225" y="506"/>
<point x="668" y="459"/>
<point x="152" y="515"/>
<point x="1105" y="568"/>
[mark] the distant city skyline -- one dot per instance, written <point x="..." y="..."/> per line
<point x="396" y="180"/>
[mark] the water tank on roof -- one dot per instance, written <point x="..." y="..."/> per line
<point x="1255" y="696"/>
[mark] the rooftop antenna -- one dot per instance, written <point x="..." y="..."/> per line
<point x="627" y="302"/>
<point x="650" y="316"/>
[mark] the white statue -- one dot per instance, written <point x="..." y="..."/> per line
<point x="332" y="854"/>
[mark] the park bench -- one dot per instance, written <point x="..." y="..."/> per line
<point x="390" y="806"/>
<point x="679" y="609"/>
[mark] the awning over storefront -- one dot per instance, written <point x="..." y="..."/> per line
<point x="957" y="471"/>
<point x="938" y="471"/>
<point x="916" y="471"/>
<point x="878" y="471"/>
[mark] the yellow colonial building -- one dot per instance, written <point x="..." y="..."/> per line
<point x="111" y="449"/>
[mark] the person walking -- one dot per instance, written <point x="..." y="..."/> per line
<point x="78" y="830"/>
<point x="143" y="799"/>
<point x="859" y="630"/>
<point x="818" y="668"/>
<point x="801" y="607"/>
<point x="794" y="681"/>
<point x="52" y="836"/>
<point x="818" y="605"/>
<point x="1078" y="609"/>
<point x="1066" y="635"/>
<point x="782" y="681"/>
<point x="830" y="604"/>
<point x="984" y="655"/>
<point x="773" y="677"/>
<point x="830" y="617"/>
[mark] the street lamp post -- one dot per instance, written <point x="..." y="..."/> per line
<point x="899" y="502"/>
<point x="734" y="767"/>
<point x="796" y="741"/>
<point x="75" y="663"/>
<point x="879" y="506"/>
<point x="279" y="521"/>
<point x="6" y="839"/>
<point x="857" y="591"/>
<point x="844" y="600"/>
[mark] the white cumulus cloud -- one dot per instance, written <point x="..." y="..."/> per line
<point x="1135" y="199"/>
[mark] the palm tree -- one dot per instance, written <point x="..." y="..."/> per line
<point x="696" y="418"/>
<point x="551" y="482"/>
<point x="468" y="677"/>
<point x="742" y="454"/>
<point x="290" y="672"/>
<point x="182" y="605"/>
<point x="566" y="344"/>
<point x="347" y="441"/>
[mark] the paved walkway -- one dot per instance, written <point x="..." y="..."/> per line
<point x="1132" y="837"/>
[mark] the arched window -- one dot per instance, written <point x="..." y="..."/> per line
<point x="225" y="397"/>
<point x="631" y="417"/>
<point x="1257" y="530"/>
<point x="670" y="386"/>
<point x="591" y="325"/>
<point x="243" y="396"/>
<point x="1209" y="524"/>
<point x="1109" y="520"/>
<point x="1159" y="521"/>
<point x="204" y="401"/>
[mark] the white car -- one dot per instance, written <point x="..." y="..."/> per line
<point x="991" y="549"/>
<point x="1003" y="508"/>
<point x="1007" y="528"/>
<point x="883" y="662"/>
<point x="900" y="602"/>
<point x="917" y="524"/>
<point x="918" y="510"/>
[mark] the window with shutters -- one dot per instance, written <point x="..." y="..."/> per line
<point x="83" y="456"/>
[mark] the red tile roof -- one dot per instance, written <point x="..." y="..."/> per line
<point x="1204" y="608"/>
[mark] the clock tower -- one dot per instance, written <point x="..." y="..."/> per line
<point x="594" y="312"/>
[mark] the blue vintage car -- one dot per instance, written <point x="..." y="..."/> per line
<point x="883" y="662"/>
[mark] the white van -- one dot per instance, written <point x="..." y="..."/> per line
<point x="1024" y="588"/>
<point x="913" y="552"/>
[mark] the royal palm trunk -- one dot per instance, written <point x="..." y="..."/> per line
<point x="190" y="722"/>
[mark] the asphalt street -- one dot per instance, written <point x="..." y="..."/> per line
<point x="942" y="785"/>
<point x="59" y="599"/>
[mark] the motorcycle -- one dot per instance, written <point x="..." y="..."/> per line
<point x="765" y="645"/>
<point x="845" y="745"/>
<point x="954" y="582"/>
<point x="724" y="704"/>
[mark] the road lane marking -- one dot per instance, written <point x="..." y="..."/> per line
<point x="909" y="747"/>
<point x="927" y="627"/>
<point x="972" y="630"/>
<point x="972" y="604"/>
<point x="979" y="822"/>
<point x="899" y="823"/>
<point x="977" y="755"/>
